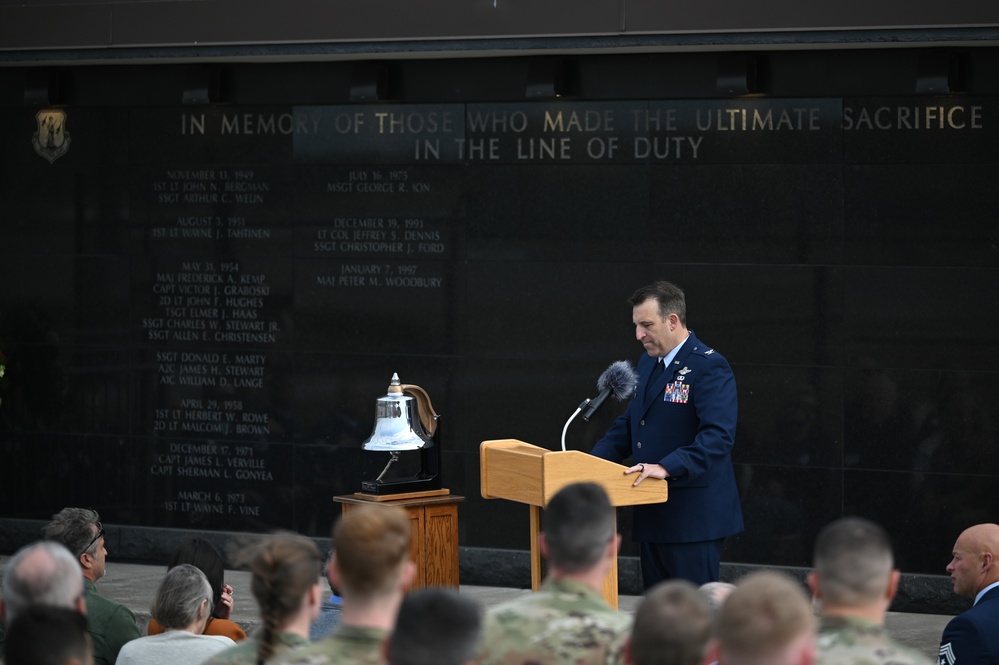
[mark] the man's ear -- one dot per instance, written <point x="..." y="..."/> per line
<point x="626" y="656"/>
<point x="988" y="560"/>
<point x="812" y="579"/>
<point x="334" y="574"/>
<point x="613" y="547"/>
<point x="542" y="545"/>
<point x="408" y="575"/>
<point x="3" y="611"/>
<point x="892" y="585"/>
<point x="315" y="596"/>
<point x="712" y="654"/>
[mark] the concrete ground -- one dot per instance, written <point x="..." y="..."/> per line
<point x="134" y="585"/>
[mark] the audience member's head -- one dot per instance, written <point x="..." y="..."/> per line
<point x="183" y="600"/>
<point x="371" y="553"/>
<point x="202" y="555"/>
<point x="578" y="533"/>
<point x="976" y="560"/>
<point x="854" y="567"/>
<point x="48" y="635"/>
<point x="672" y="626"/>
<point x="285" y="581"/>
<point x="435" y="626"/>
<point x="81" y="532"/>
<point x="43" y="573"/>
<point x="716" y="593"/>
<point x="766" y="620"/>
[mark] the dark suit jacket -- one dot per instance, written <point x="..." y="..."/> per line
<point x="687" y="424"/>
<point x="972" y="638"/>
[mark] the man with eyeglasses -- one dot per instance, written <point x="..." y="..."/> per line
<point x="111" y="624"/>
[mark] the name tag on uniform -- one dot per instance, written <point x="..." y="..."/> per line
<point x="677" y="392"/>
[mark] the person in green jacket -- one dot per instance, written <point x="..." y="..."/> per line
<point x="111" y="624"/>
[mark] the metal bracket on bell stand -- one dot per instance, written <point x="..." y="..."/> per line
<point x="429" y="477"/>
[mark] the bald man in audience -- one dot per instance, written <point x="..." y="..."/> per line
<point x="43" y="573"/>
<point x="973" y="637"/>
<point x="766" y="620"/>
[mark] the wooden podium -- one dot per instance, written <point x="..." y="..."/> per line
<point x="515" y="470"/>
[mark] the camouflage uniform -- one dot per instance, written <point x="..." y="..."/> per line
<point x="854" y="641"/>
<point x="245" y="653"/>
<point x="346" y="645"/>
<point x="564" y="623"/>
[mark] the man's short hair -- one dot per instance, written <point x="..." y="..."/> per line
<point x="436" y="626"/>
<point x="669" y="296"/>
<point x="371" y="543"/>
<point x="180" y="595"/>
<point x="43" y="573"/>
<point x="853" y="561"/>
<point x="762" y="618"/>
<point x="47" y="635"/>
<point x="578" y="525"/>
<point x="672" y="625"/>
<point x="74" y="528"/>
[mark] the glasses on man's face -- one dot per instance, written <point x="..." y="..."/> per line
<point x="100" y="534"/>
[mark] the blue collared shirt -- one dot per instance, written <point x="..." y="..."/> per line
<point x="984" y="591"/>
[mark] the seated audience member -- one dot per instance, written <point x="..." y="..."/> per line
<point x="766" y="620"/>
<point x="853" y="584"/>
<point x="285" y="582"/>
<point x="435" y="626"/>
<point x="202" y="555"/>
<point x="672" y="626"/>
<point x="372" y="569"/>
<point x="566" y="620"/>
<point x="973" y="636"/>
<point x="49" y="635"/>
<point x="183" y="605"/>
<point x="715" y="593"/>
<point x="43" y="573"/>
<point x="111" y="624"/>
<point x="329" y="611"/>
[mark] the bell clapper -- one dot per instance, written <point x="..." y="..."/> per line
<point x="394" y="457"/>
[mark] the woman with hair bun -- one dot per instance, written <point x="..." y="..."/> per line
<point x="285" y="581"/>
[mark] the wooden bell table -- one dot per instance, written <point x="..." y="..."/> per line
<point x="433" y="516"/>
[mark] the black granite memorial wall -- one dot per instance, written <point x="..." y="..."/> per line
<point x="200" y="304"/>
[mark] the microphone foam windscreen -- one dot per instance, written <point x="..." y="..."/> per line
<point x="620" y="378"/>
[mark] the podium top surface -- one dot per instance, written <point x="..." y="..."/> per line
<point x="522" y="472"/>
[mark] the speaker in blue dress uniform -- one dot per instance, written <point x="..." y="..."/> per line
<point x="679" y="428"/>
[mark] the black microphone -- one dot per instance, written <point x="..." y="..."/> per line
<point x="619" y="380"/>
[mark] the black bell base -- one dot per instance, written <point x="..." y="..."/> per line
<point x="402" y="485"/>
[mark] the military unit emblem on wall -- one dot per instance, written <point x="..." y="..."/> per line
<point x="51" y="141"/>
